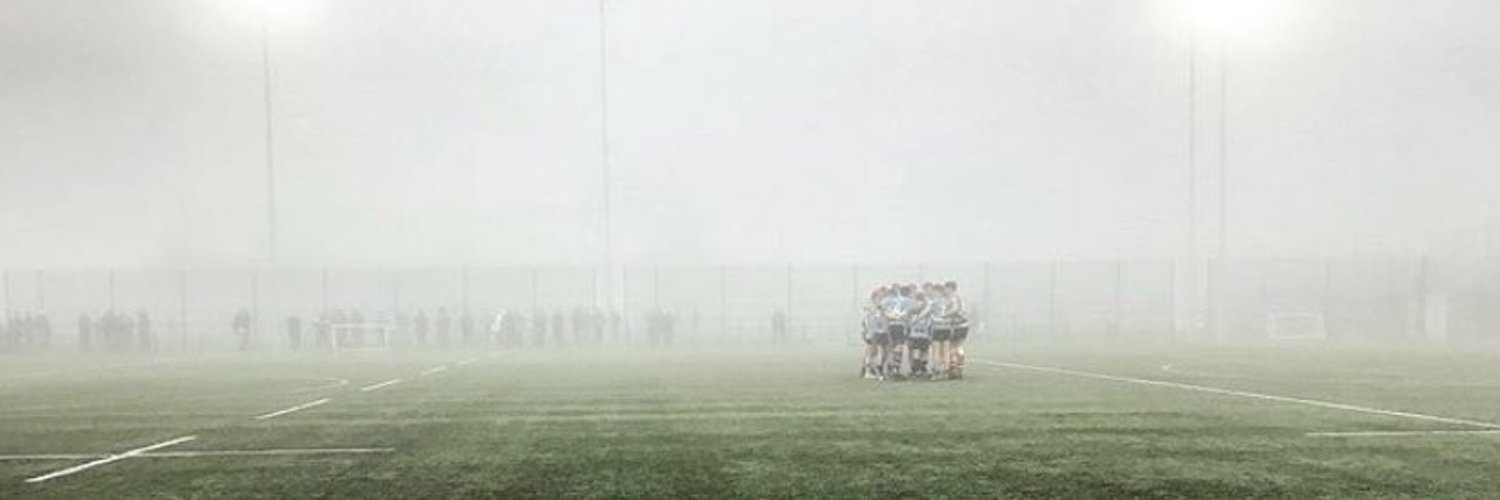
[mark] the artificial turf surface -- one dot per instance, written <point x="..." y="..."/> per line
<point x="754" y="423"/>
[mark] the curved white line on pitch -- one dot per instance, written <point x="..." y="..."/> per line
<point x="332" y="383"/>
<point x="300" y="407"/>
<point x="376" y="387"/>
<point x="1242" y="394"/>
<point x="1356" y="434"/>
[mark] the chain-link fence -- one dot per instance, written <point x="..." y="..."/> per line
<point x="1122" y="301"/>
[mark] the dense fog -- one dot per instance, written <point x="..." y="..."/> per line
<point x="470" y="133"/>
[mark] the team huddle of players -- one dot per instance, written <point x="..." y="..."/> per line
<point x="925" y="325"/>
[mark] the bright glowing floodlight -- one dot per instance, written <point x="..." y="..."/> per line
<point x="1235" y="19"/>
<point x="279" y="13"/>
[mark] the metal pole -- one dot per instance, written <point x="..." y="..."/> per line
<point x="1422" y="297"/>
<point x="1172" y="299"/>
<point x="1211" y="300"/>
<point x="265" y="52"/>
<point x="788" y="298"/>
<point x="656" y="286"/>
<point x="605" y="175"/>
<point x="625" y="301"/>
<point x="255" y="304"/>
<point x="1327" y="295"/>
<point x="533" y="289"/>
<point x="5" y="284"/>
<point x="41" y="290"/>
<point x="1223" y="150"/>
<point x="723" y="301"/>
<point x="395" y="293"/>
<point x="985" y="308"/>
<point x="1192" y="143"/>
<point x="324" y="290"/>
<point x="1114" y="322"/>
<point x="1052" y="302"/>
<point x="111" y="289"/>
<point x="182" y="305"/>
<point x="464" y="288"/>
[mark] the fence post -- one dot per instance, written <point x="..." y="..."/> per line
<point x="723" y="303"/>
<point x="1211" y="303"/>
<point x="1172" y="319"/>
<point x="789" y="299"/>
<point x="1052" y="302"/>
<point x="323" y="291"/>
<point x="182" y="304"/>
<point x="255" y="328"/>
<point x="1114" y="318"/>
<point x="41" y="290"/>
<point x="5" y="284"/>
<point x="464" y="290"/>
<point x="395" y="293"/>
<point x="1327" y="296"/>
<point x="985" y="318"/>
<point x="625" y="302"/>
<point x="1421" y="302"/>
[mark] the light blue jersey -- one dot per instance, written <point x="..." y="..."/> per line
<point x="897" y="305"/>
<point x="937" y="306"/>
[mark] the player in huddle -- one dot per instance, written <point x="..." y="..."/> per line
<point x="922" y="328"/>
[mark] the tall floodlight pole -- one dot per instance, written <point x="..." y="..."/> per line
<point x="1192" y="142"/>
<point x="265" y="59"/>
<point x="605" y="214"/>
<point x="1223" y="150"/>
<point x="1191" y="248"/>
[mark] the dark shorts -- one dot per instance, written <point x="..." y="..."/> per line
<point x="942" y="334"/>
<point x="960" y="334"/>
<point x="897" y="333"/>
<point x="920" y="343"/>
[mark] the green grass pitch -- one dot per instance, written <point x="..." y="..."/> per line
<point x="753" y="423"/>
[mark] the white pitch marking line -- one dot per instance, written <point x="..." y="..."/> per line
<point x="434" y="371"/>
<point x="1245" y="394"/>
<point x="300" y="407"/>
<point x="1173" y="370"/>
<point x="273" y="452"/>
<point x="466" y="361"/>
<point x="200" y="453"/>
<point x="374" y="387"/>
<point x="112" y="458"/>
<point x="50" y="456"/>
<point x="1403" y="433"/>
<point x="333" y="382"/>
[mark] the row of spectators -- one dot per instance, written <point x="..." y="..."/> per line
<point x="582" y="326"/>
<point x="114" y="331"/>
<point x="25" y="331"/>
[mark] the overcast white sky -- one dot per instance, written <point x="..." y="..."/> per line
<point x="408" y="132"/>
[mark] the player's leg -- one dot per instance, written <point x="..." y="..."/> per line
<point x="897" y="351"/>
<point x="920" y="346"/>
<point x="956" y="363"/>
<point x="918" y="343"/>
<point x="940" y="337"/>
